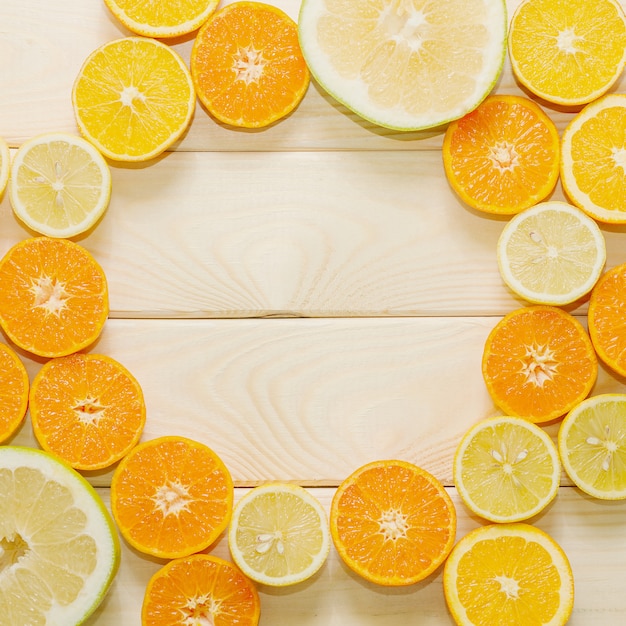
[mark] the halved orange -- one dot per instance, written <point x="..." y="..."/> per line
<point x="200" y="589"/>
<point x="14" y="385"/>
<point x="538" y="362"/>
<point x="171" y="497"/>
<point x="606" y="320"/>
<point x="502" y="157"/>
<point x="247" y="66"/>
<point x="88" y="409"/>
<point x="54" y="297"/>
<point x="392" y="522"/>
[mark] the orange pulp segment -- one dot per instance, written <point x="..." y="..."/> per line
<point x="392" y="523"/>
<point x="53" y="296"/>
<point x="14" y="385"/>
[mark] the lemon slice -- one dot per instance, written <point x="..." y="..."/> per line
<point x="60" y="185"/>
<point x="59" y="550"/>
<point x="506" y="469"/>
<point x="5" y="165"/>
<point x="162" y="19"/>
<point x="552" y="253"/>
<point x="405" y="65"/>
<point x="133" y="98"/>
<point x="592" y="444"/>
<point x="508" y="574"/>
<point x="279" y="534"/>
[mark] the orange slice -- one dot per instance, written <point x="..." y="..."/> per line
<point x="568" y="53"/>
<point x="392" y="523"/>
<point x="247" y="66"/>
<point x="14" y="385"/>
<point x="508" y="575"/>
<point x="607" y="325"/>
<point x="87" y="409"/>
<point x="162" y="19"/>
<point x="200" y="589"/>
<point x="502" y="157"/>
<point x="538" y="363"/>
<point x="53" y="296"/>
<point x="171" y="497"/>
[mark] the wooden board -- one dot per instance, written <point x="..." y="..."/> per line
<point x="304" y="299"/>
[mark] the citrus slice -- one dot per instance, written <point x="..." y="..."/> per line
<point x="60" y="550"/>
<point x="592" y="444"/>
<point x="247" y="66"/>
<point x="53" y="296"/>
<point x="405" y="65"/>
<point x="60" y="184"/>
<point x="14" y="385"/>
<point x="87" y="409"/>
<point x="279" y="534"/>
<point x="133" y="98"/>
<point x="502" y="157"/>
<point x="551" y="253"/>
<point x="162" y="19"/>
<point x="568" y="53"/>
<point x="605" y="318"/>
<point x="506" y="469"/>
<point x="392" y="523"/>
<point x="171" y="497"/>
<point x="508" y="575"/>
<point x="200" y="589"/>
<point x="5" y="165"/>
<point x="538" y="363"/>
<point x="592" y="159"/>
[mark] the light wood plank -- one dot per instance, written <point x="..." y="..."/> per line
<point x="298" y="234"/>
<point x="592" y="533"/>
<point x="309" y="400"/>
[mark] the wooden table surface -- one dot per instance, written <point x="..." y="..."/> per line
<point x="303" y="299"/>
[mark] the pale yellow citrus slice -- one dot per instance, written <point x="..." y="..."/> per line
<point x="551" y="253"/>
<point x="60" y="184"/>
<point x="279" y="534"/>
<point x="593" y="156"/>
<point x="162" y="19"/>
<point x="5" y="165"/>
<point x="592" y="444"/>
<point x="506" y="469"/>
<point x="405" y="65"/>
<point x="568" y="52"/>
<point x="508" y="575"/>
<point x="59" y="547"/>
<point x="133" y="98"/>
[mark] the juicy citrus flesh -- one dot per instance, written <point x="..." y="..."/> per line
<point x="247" y="66"/>
<point x="607" y="325"/>
<point x="60" y="184"/>
<point x="87" y="409"/>
<point x="551" y="253"/>
<point x="60" y="550"/>
<point x="538" y="363"/>
<point x="14" y="387"/>
<point x="592" y="165"/>
<point x="53" y="296"/>
<point x="506" y="469"/>
<point x="503" y="156"/>
<point x="5" y="165"/>
<point x="592" y="444"/>
<point x="171" y="497"/>
<point x="200" y="589"/>
<point x="162" y="19"/>
<point x="392" y="523"/>
<point x="133" y="98"/>
<point x="508" y="575"/>
<point x="405" y="65"/>
<point x="279" y="534"/>
<point x="568" y="52"/>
